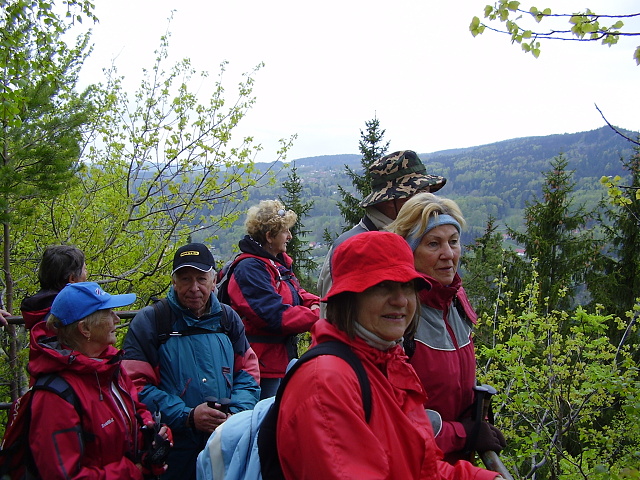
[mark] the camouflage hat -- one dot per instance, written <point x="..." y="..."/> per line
<point x="399" y="175"/>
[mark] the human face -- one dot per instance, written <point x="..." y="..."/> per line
<point x="438" y="254"/>
<point x="386" y="309"/>
<point x="390" y="208"/>
<point x="104" y="331"/>
<point x="193" y="288"/>
<point x="278" y="242"/>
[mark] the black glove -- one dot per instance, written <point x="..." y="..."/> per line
<point x="156" y="448"/>
<point x="482" y="436"/>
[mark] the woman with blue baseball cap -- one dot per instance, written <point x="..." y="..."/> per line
<point x="441" y="350"/>
<point x="100" y="434"/>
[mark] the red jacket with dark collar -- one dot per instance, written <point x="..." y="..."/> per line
<point x="101" y="442"/>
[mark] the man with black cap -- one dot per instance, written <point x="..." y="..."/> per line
<point x="394" y="179"/>
<point x="190" y="359"/>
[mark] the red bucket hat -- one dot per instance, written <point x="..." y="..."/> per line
<point x="369" y="258"/>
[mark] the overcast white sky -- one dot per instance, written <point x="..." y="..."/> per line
<point x="332" y="65"/>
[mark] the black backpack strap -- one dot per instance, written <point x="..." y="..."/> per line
<point x="343" y="351"/>
<point x="164" y="318"/>
<point x="267" y="442"/>
<point x="53" y="382"/>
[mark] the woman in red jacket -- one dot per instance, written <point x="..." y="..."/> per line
<point x="322" y="432"/>
<point x="102" y="437"/>
<point x="266" y="293"/>
<point x="442" y="351"/>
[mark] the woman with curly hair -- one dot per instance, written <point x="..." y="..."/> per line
<point x="264" y="291"/>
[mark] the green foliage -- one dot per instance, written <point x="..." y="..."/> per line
<point x="615" y="283"/>
<point x="41" y="122"/>
<point x="34" y="50"/>
<point x="161" y="168"/>
<point x="372" y="148"/>
<point x="556" y="236"/>
<point x="567" y="395"/>
<point x="580" y="26"/>
<point x="487" y="265"/>
<point x="41" y="114"/>
<point x="298" y="249"/>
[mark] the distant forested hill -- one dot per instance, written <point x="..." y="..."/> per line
<point x="495" y="179"/>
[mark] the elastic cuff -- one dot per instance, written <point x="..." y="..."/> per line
<point x="190" y="420"/>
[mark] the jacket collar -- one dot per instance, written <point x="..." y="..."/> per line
<point x="250" y="246"/>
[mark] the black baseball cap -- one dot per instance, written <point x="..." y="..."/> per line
<point x="195" y="255"/>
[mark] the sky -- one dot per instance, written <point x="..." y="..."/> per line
<point x="331" y="66"/>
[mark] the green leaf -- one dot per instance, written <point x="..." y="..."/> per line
<point x="513" y="6"/>
<point x="476" y="28"/>
<point x="636" y="55"/>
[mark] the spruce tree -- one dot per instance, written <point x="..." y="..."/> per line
<point x="616" y="285"/>
<point x="372" y="147"/>
<point x="556" y="236"/>
<point x="298" y="249"/>
<point x="482" y="265"/>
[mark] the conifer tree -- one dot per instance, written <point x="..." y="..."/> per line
<point x="616" y="285"/>
<point x="372" y="147"/>
<point x="482" y="264"/>
<point x="298" y="249"/>
<point x="556" y="237"/>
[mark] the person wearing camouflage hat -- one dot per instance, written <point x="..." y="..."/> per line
<point x="399" y="176"/>
<point x="394" y="179"/>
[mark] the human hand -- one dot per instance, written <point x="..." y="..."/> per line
<point x="165" y="432"/>
<point x="3" y="319"/>
<point x="158" y="441"/>
<point x="208" y="419"/>
<point x="488" y="437"/>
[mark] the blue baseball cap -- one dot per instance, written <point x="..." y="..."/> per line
<point x="79" y="300"/>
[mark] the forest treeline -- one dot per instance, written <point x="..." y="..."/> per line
<point x="126" y="176"/>
<point x="489" y="180"/>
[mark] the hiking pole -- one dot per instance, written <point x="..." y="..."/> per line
<point x="490" y="458"/>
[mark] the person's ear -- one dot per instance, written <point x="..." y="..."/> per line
<point x="269" y="237"/>
<point x="82" y="328"/>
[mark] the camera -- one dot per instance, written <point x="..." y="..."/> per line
<point x="221" y="404"/>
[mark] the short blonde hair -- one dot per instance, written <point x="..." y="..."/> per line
<point x="419" y="209"/>
<point x="268" y="216"/>
<point x="70" y="335"/>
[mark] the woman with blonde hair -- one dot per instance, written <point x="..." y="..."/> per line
<point x="323" y="429"/>
<point x="265" y="292"/>
<point x="441" y="350"/>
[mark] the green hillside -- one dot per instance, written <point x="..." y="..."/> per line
<point x="495" y="179"/>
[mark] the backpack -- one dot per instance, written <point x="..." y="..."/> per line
<point x="165" y="316"/>
<point x="245" y="446"/>
<point x="224" y="275"/>
<point x="16" y="459"/>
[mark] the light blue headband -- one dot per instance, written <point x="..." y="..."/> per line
<point x="415" y="237"/>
